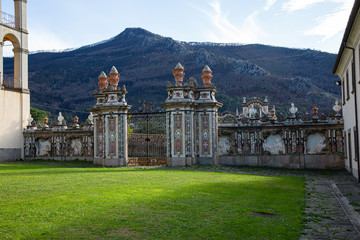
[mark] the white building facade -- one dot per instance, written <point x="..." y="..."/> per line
<point x="347" y="67"/>
<point x="14" y="92"/>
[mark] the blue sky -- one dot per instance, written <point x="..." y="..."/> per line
<point x="314" y="24"/>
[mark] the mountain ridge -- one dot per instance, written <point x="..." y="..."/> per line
<point x="144" y="60"/>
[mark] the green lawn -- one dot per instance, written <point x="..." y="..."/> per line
<point x="59" y="201"/>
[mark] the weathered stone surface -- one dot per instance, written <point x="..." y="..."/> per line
<point x="10" y="154"/>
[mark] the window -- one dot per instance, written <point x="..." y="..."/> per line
<point x="353" y="76"/>
<point x="349" y="144"/>
<point x="356" y="146"/>
<point x="345" y="148"/>
<point x="347" y="86"/>
<point x="343" y="90"/>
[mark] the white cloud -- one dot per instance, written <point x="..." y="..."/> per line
<point x="331" y="24"/>
<point x="269" y="4"/>
<point x="225" y="31"/>
<point x="295" y="5"/>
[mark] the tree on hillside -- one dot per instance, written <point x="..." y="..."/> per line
<point x="37" y="114"/>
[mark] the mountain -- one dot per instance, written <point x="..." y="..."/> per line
<point x="64" y="81"/>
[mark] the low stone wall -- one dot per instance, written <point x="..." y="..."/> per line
<point x="325" y="161"/>
<point x="59" y="143"/>
<point x="289" y="143"/>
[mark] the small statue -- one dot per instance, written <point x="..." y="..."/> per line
<point x="30" y="120"/>
<point x="293" y="110"/>
<point x="337" y="108"/>
<point x="60" y="119"/>
<point x="252" y="111"/>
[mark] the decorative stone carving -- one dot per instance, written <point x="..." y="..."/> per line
<point x="252" y="111"/>
<point x="30" y="120"/>
<point x="76" y="147"/>
<point x="315" y="111"/>
<point x="307" y="117"/>
<point x="274" y="145"/>
<point x="76" y="120"/>
<point x="322" y="117"/>
<point x="206" y="76"/>
<point x="224" y="146"/>
<point x="44" y="148"/>
<point x="178" y="73"/>
<point x="293" y="110"/>
<point x="114" y="78"/>
<point x="272" y="112"/>
<point x="103" y="81"/>
<point x="193" y="82"/>
<point x="91" y="118"/>
<point x="45" y="121"/>
<point x="281" y="118"/>
<point x="337" y="108"/>
<point x="60" y="119"/>
<point x="315" y="143"/>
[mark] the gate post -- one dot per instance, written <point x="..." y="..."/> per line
<point x="110" y="122"/>
<point x="191" y="120"/>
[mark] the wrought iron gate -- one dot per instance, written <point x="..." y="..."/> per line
<point x="147" y="137"/>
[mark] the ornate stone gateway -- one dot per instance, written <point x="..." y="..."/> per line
<point x="146" y="138"/>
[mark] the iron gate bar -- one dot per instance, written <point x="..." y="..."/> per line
<point x="137" y="119"/>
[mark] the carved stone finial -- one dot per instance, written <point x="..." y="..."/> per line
<point x="244" y="99"/>
<point x="307" y="117"/>
<point x="323" y="117"/>
<point x="45" y="121"/>
<point x="178" y="73"/>
<point x="272" y="112"/>
<point x="123" y="89"/>
<point x="103" y="81"/>
<point x="114" y="77"/>
<point x="76" y="120"/>
<point x="206" y="76"/>
<point x="315" y="111"/>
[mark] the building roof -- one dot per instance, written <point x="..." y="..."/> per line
<point x="348" y="29"/>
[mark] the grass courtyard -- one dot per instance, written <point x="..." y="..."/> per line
<point x="66" y="201"/>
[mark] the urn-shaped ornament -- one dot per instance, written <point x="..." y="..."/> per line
<point x="206" y="76"/>
<point x="178" y="73"/>
<point x="114" y="78"/>
<point x="103" y="81"/>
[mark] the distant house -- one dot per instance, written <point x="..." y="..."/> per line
<point x="347" y="67"/>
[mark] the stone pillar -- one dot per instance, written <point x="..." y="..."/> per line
<point x="110" y="124"/>
<point x="191" y="120"/>
<point x="20" y="14"/>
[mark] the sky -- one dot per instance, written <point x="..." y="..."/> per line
<point x="306" y="24"/>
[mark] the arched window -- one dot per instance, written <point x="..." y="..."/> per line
<point x="11" y="68"/>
